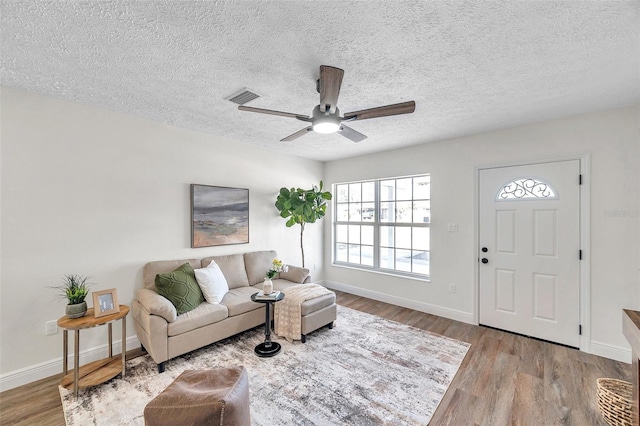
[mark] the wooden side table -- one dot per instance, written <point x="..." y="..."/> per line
<point x="98" y="371"/>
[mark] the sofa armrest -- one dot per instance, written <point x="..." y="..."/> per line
<point x="155" y="304"/>
<point x="296" y="274"/>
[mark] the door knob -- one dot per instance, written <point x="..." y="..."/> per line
<point x="485" y="260"/>
<point x="484" y="249"/>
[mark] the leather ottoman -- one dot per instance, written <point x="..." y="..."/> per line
<point x="203" y="397"/>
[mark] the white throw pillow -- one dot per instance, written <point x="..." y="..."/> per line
<point x="212" y="282"/>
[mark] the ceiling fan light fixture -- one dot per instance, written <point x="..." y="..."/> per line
<point x="325" y="122"/>
<point x="326" y="127"/>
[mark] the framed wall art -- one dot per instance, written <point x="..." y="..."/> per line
<point x="105" y="302"/>
<point x="219" y="216"/>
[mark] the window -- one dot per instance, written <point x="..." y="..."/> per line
<point x="384" y="225"/>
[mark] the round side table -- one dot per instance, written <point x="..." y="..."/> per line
<point x="267" y="348"/>
<point x="98" y="371"/>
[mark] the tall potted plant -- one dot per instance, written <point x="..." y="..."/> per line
<point x="300" y="206"/>
<point x="75" y="289"/>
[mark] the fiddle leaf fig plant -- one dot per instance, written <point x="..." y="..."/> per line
<point x="302" y="206"/>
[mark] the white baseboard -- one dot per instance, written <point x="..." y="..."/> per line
<point x="401" y="301"/>
<point x="50" y="368"/>
<point x="609" y="351"/>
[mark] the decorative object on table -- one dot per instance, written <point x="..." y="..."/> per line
<point x="75" y="289"/>
<point x="614" y="401"/>
<point x="267" y="286"/>
<point x="403" y="381"/>
<point x="261" y="296"/>
<point x="219" y="216"/>
<point x="276" y="267"/>
<point x="302" y="206"/>
<point x="105" y="302"/>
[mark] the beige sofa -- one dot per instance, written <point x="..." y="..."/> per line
<point x="165" y="335"/>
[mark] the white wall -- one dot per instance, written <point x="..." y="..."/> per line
<point x="610" y="137"/>
<point x="97" y="193"/>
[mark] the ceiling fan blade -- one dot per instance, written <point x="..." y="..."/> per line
<point x="383" y="111"/>
<point x="330" y="82"/>
<point x="349" y="133"/>
<point x="273" y="112"/>
<point x="297" y="134"/>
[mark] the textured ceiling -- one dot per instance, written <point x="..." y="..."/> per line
<point x="470" y="66"/>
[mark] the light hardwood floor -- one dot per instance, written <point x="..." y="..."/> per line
<point x="505" y="379"/>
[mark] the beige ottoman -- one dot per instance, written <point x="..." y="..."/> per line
<point x="317" y="313"/>
<point x="203" y="397"/>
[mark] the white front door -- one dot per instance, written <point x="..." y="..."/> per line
<point x="529" y="250"/>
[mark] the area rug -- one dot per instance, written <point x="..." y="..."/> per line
<point x="365" y="371"/>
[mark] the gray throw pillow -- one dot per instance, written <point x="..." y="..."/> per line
<point x="181" y="288"/>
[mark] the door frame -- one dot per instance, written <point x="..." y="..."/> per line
<point x="585" y="237"/>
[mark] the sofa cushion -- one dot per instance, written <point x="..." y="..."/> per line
<point x="238" y="301"/>
<point x="203" y="315"/>
<point x="152" y="269"/>
<point x="295" y="274"/>
<point x="181" y="288"/>
<point x="317" y="303"/>
<point x="278" y="284"/>
<point x="232" y="266"/>
<point x="257" y="264"/>
<point x="212" y="282"/>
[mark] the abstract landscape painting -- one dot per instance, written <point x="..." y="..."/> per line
<point x="219" y="216"/>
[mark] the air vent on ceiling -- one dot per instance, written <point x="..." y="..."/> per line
<point x="244" y="96"/>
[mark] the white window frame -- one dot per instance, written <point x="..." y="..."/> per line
<point x="377" y="224"/>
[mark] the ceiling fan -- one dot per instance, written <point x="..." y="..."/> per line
<point x="326" y="118"/>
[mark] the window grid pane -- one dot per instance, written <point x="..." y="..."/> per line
<point x="366" y="255"/>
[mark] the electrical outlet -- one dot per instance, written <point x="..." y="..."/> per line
<point x="51" y="327"/>
<point x="453" y="227"/>
<point x="452" y="288"/>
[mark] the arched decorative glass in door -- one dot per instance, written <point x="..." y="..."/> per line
<point x="526" y="188"/>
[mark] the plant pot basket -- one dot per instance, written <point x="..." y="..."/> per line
<point x="614" y="401"/>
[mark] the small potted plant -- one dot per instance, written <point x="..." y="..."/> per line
<point x="276" y="267"/>
<point x="75" y="289"/>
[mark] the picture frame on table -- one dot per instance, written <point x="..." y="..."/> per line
<point x="105" y="302"/>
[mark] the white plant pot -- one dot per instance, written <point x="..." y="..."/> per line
<point x="267" y="286"/>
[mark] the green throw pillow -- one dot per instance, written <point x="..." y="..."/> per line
<point x="181" y="288"/>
